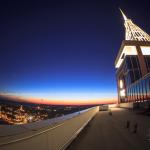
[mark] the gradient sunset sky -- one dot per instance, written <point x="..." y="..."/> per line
<point x="63" y="51"/>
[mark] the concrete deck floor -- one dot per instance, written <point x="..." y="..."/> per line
<point x="106" y="132"/>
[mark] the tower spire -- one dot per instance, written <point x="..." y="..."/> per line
<point x="124" y="16"/>
<point x="132" y="31"/>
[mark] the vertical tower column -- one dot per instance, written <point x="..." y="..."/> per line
<point x="141" y="59"/>
<point x="118" y="90"/>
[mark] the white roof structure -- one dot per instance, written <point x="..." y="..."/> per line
<point x="134" y="36"/>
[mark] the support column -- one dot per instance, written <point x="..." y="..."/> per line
<point x="141" y="59"/>
<point x="118" y="90"/>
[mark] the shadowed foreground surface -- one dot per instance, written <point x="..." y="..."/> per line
<point x="109" y="132"/>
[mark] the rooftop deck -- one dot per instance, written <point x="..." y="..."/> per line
<point x="103" y="132"/>
<point x="109" y="132"/>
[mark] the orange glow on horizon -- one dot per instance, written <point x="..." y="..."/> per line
<point x="60" y="101"/>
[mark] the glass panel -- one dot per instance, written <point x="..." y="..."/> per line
<point x="148" y="87"/>
<point x="141" y="91"/>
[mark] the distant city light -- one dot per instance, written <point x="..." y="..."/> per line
<point x="30" y="118"/>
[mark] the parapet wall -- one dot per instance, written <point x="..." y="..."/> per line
<point x="45" y="135"/>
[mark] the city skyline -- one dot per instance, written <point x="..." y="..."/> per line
<point x="64" y="54"/>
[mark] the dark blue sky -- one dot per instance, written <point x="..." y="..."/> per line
<point x="55" y="47"/>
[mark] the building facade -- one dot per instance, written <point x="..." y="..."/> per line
<point x="133" y="66"/>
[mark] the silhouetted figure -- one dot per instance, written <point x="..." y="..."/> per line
<point x="148" y="135"/>
<point x="110" y="113"/>
<point x="128" y="124"/>
<point x="135" y="128"/>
